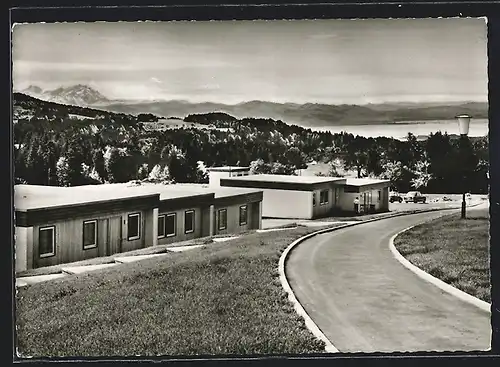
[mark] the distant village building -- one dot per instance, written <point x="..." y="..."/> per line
<point x="56" y="225"/>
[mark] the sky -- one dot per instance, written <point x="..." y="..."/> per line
<point x="303" y="61"/>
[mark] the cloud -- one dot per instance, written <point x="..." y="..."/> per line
<point x="156" y="80"/>
<point x="211" y="86"/>
<point x="68" y="66"/>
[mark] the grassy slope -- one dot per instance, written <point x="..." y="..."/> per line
<point x="453" y="250"/>
<point x="223" y="299"/>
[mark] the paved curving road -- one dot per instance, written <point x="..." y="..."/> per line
<point x="364" y="300"/>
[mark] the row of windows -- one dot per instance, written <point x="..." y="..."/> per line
<point x="323" y="197"/>
<point x="47" y="238"/>
<point x="167" y="224"/>
<point x="167" y="227"/>
<point x="238" y="174"/>
<point x="222" y="217"/>
<point x="47" y="235"/>
<point x="369" y="195"/>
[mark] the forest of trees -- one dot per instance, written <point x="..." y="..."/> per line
<point x="63" y="150"/>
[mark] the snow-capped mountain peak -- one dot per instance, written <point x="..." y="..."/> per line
<point x="33" y="89"/>
<point x="77" y="95"/>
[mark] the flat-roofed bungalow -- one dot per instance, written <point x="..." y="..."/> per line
<point x="294" y="197"/>
<point x="56" y="225"/>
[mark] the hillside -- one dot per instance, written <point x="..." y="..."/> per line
<point x="27" y="107"/>
<point x="31" y="114"/>
<point x="308" y="114"/>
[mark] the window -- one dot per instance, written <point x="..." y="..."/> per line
<point x="243" y="215"/>
<point x="379" y="195"/>
<point x="314" y="199"/>
<point x="171" y="224"/>
<point x="167" y="224"/>
<point x="161" y="226"/>
<point x="47" y="241"/>
<point x="89" y="234"/>
<point x="134" y="226"/>
<point x="222" y="219"/>
<point x="189" y="221"/>
<point x="323" y="197"/>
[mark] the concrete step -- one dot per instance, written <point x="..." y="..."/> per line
<point x="129" y="259"/>
<point x="86" y="268"/>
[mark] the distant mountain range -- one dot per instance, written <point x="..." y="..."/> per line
<point x="308" y="114"/>
<point x="77" y="95"/>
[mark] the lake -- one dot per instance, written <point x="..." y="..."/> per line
<point x="399" y="130"/>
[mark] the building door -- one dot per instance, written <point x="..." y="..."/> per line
<point x="214" y="224"/>
<point x="114" y="235"/>
<point x="205" y="222"/>
<point x="254" y="215"/>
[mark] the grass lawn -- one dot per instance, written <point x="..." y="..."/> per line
<point x="453" y="250"/>
<point x="55" y="269"/>
<point x="221" y="299"/>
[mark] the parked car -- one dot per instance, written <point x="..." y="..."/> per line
<point x="414" y="197"/>
<point x="394" y="196"/>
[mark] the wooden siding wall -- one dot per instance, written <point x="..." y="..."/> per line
<point x="233" y="219"/>
<point x="133" y="244"/>
<point x="180" y="234"/>
<point x="69" y="239"/>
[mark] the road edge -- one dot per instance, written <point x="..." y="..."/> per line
<point x="299" y="309"/>
<point x="485" y="306"/>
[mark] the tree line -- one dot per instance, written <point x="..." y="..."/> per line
<point x="67" y="151"/>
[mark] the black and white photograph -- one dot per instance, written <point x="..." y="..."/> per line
<point x="265" y="187"/>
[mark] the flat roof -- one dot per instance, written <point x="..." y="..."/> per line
<point x="34" y="196"/>
<point x="218" y="191"/>
<point x="365" y="181"/>
<point x="286" y="179"/>
<point x="228" y="169"/>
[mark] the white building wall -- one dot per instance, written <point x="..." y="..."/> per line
<point x="287" y="204"/>
<point x="215" y="176"/>
<point x="21" y="244"/>
<point x="155" y="226"/>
